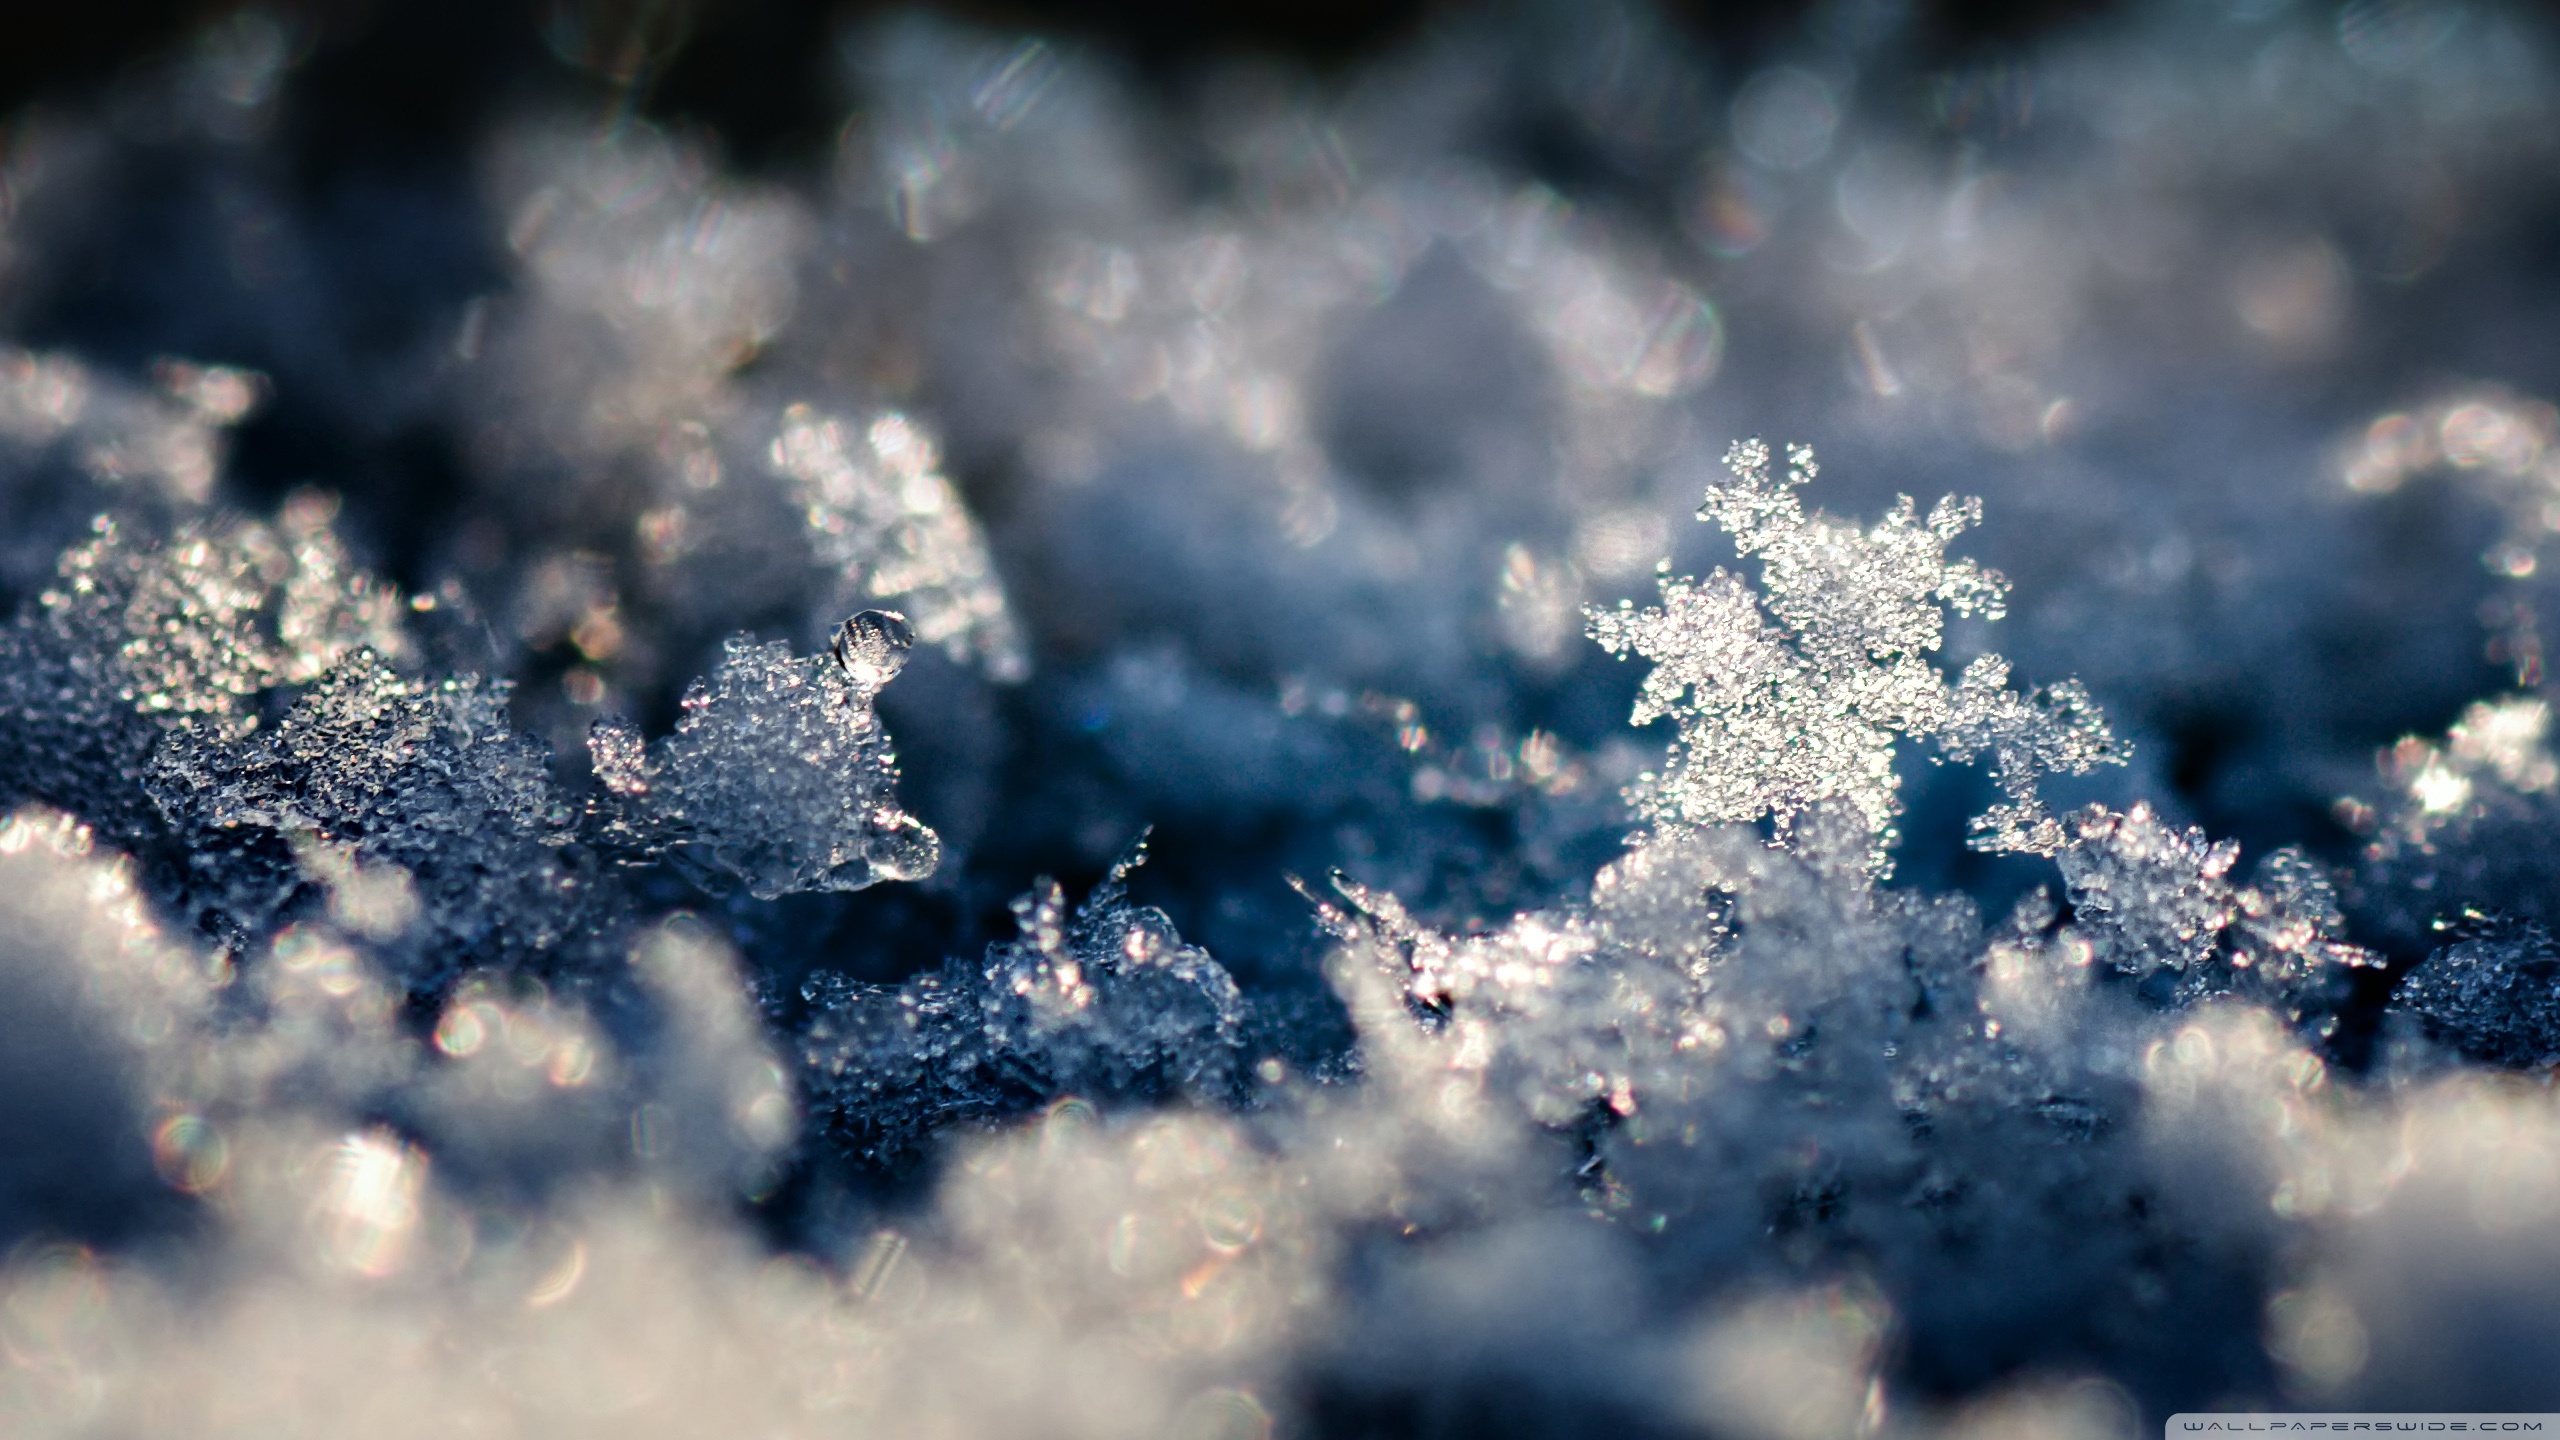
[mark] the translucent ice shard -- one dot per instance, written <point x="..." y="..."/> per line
<point x="1800" y="692"/>
<point x="779" y="773"/>
<point x="204" y="620"/>
<point x="137" y="636"/>
<point x="2291" y="934"/>
<point x="1111" y="1002"/>
<point x="2160" y="895"/>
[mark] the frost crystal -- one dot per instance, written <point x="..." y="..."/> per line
<point x="2159" y="895"/>
<point x="881" y="515"/>
<point x="136" y="636"/>
<point x="1108" y="1004"/>
<point x="1538" y="1013"/>
<point x="218" y="613"/>
<point x="2492" y="997"/>
<point x="778" y="774"/>
<point x="365" y="1067"/>
<point x="378" y="770"/>
<point x="75" y="441"/>
<point x="1804" y="703"/>
<point x="2157" y="903"/>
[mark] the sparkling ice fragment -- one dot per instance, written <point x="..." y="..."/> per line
<point x="1107" y="1003"/>
<point x="2492" y="996"/>
<point x="375" y="769"/>
<point x="779" y="775"/>
<point x="2157" y="903"/>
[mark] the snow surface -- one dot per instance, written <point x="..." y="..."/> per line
<point x="536" y="756"/>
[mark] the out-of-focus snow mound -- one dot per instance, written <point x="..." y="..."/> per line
<point x="980" y="784"/>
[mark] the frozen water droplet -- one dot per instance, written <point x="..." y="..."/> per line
<point x="901" y="849"/>
<point x="872" y="648"/>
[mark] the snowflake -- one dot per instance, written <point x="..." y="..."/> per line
<point x="2492" y="996"/>
<point x="372" y="776"/>
<point x="1799" y="693"/>
<point x="139" y="636"/>
<point x="218" y="612"/>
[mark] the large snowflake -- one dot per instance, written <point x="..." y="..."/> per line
<point x="1799" y="693"/>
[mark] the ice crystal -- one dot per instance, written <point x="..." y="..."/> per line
<point x="883" y="518"/>
<point x="397" y="1069"/>
<point x="74" y="442"/>
<point x="214" y="615"/>
<point x="1734" y="1041"/>
<point x="2492" y="996"/>
<point x="135" y="636"/>
<point x="2159" y="894"/>
<point x="779" y="774"/>
<point x="380" y="769"/>
<point x="1108" y="1003"/>
<point x="2157" y="902"/>
<point x="1803" y="698"/>
<point x="2292" y="935"/>
<point x="1541" y="1015"/>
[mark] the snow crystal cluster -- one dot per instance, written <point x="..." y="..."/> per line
<point x="1775" y="719"/>
<point x="778" y="774"/>
<point x="982" y="784"/>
